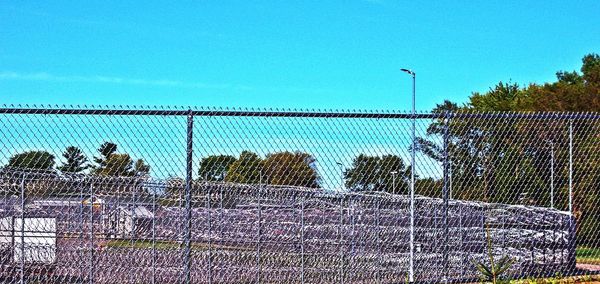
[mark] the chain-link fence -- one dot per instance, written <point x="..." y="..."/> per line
<point x="236" y="196"/>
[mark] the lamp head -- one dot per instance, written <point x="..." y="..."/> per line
<point x="408" y="71"/>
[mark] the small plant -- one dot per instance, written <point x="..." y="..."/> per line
<point x="493" y="271"/>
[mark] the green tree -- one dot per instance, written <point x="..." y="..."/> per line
<point x="504" y="160"/>
<point x="291" y="168"/>
<point x="32" y="160"/>
<point x="374" y="173"/>
<point x="75" y="160"/>
<point x="503" y="97"/>
<point x="117" y="165"/>
<point x="106" y="150"/>
<point x="26" y="166"/>
<point x="140" y="168"/>
<point x="246" y="169"/>
<point x="215" y="167"/>
<point x="364" y="174"/>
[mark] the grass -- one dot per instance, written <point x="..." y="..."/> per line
<point x="163" y="245"/>
<point x="559" y="280"/>
<point x="588" y="255"/>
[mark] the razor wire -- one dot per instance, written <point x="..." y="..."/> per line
<point x="120" y="195"/>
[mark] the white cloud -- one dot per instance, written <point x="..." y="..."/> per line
<point x="43" y="76"/>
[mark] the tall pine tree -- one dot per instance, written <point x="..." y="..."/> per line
<point x="75" y="160"/>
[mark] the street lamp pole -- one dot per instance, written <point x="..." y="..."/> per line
<point x="411" y="276"/>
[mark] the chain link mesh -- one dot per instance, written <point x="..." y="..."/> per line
<point x="122" y="195"/>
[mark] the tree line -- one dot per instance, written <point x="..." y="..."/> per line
<point x="108" y="162"/>
<point x="281" y="168"/>
<point x="367" y="173"/>
<point x="508" y="160"/>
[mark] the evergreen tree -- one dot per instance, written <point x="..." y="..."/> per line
<point x="75" y="160"/>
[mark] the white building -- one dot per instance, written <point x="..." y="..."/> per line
<point x="32" y="240"/>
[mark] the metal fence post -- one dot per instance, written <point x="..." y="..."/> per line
<point x="91" y="268"/>
<point x="22" y="230"/>
<point x="571" y="167"/>
<point x="153" y="235"/>
<point x="572" y="221"/>
<point x="352" y="210"/>
<point x="378" y="233"/>
<point x="81" y="242"/>
<point x="258" y="243"/>
<point x="221" y="222"/>
<point x="554" y="242"/>
<point x="461" y="244"/>
<point x="445" y="198"/>
<point x="221" y="214"/>
<point x="132" y="233"/>
<point x="209" y="232"/>
<point x="188" y="199"/>
<point x="341" y="246"/>
<point x="564" y="228"/>
<point x="302" y="240"/>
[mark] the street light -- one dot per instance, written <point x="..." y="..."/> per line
<point x="394" y="173"/>
<point x="411" y="277"/>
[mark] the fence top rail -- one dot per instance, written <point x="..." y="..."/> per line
<point x="313" y="113"/>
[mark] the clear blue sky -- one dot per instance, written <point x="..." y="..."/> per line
<point x="292" y="54"/>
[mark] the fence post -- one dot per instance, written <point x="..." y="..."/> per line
<point x="446" y="197"/>
<point x="378" y="244"/>
<point x="461" y="245"/>
<point x="209" y="232"/>
<point x="91" y="272"/>
<point x="132" y="233"/>
<point x="81" y="277"/>
<point x="564" y="228"/>
<point x="340" y="230"/>
<point x="221" y="223"/>
<point x="572" y="221"/>
<point x="259" y="243"/>
<point x="188" y="198"/>
<point x="302" y="240"/>
<point x="352" y="210"/>
<point x="153" y="235"/>
<point x="570" y="168"/>
<point x="23" y="230"/>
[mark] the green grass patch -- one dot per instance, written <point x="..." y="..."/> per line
<point x="164" y="245"/>
<point x="588" y="255"/>
<point x="558" y="280"/>
<point x="143" y="244"/>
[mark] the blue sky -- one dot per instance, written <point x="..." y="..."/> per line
<point x="290" y="54"/>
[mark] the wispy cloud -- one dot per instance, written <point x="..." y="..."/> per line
<point x="149" y="29"/>
<point x="378" y="2"/>
<point x="43" y="76"/>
